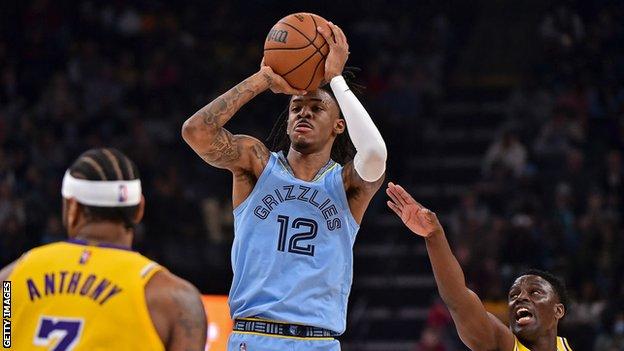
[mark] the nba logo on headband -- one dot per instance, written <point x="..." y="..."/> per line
<point x="103" y="193"/>
<point x="123" y="193"/>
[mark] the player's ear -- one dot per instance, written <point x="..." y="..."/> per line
<point x="340" y="126"/>
<point x="71" y="210"/>
<point x="138" y="216"/>
<point x="559" y="310"/>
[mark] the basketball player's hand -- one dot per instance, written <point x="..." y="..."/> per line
<point x="416" y="217"/>
<point x="277" y="84"/>
<point x="338" y="50"/>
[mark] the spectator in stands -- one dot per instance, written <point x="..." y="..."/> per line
<point x="562" y="29"/>
<point x="509" y="152"/>
<point x="612" y="178"/>
<point x="612" y="340"/>
<point x="77" y="76"/>
<point x="430" y="340"/>
<point x="583" y="318"/>
<point x="554" y="138"/>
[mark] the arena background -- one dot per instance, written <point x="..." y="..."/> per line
<point x="505" y="117"/>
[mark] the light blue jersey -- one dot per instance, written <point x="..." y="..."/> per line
<point x="247" y="342"/>
<point x="292" y="254"/>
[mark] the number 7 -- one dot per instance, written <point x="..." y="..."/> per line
<point x="66" y="330"/>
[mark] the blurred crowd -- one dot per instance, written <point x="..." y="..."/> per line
<point x="128" y="73"/>
<point x="77" y="75"/>
<point x="551" y="194"/>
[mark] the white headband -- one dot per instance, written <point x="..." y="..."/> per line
<point x="103" y="193"/>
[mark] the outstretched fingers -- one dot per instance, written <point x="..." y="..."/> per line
<point x="405" y="196"/>
<point x="401" y="195"/>
<point x="395" y="208"/>
<point x="396" y="199"/>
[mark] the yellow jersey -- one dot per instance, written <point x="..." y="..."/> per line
<point x="75" y="296"/>
<point x="562" y="345"/>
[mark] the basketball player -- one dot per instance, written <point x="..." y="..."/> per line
<point x="296" y="212"/>
<point x="92" y="292"/>
<point x="536" y="299"/>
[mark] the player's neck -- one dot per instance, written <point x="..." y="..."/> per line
<point x="544" y="342"/>
<point x="306" y="166"/>
<point x="105" y="233"/>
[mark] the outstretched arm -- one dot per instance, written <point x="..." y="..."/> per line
<point x="364" y="175"/>
<point x="243" y="155"/>
<point x="177" y="312"/>
<point x="478" y="329"/>
<point x="204" y="130"/>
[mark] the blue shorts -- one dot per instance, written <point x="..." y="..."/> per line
<point x="258" y="342"/>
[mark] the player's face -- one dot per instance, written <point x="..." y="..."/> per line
<point x="533" y="306"/>
<point x="313" y="121"/>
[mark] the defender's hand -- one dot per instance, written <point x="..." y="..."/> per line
<point x="277" y="84"/>
<point x="417" y="218"/>
<point x="338" y="50"/>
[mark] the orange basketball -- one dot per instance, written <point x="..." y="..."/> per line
<point x="295" y="50"/>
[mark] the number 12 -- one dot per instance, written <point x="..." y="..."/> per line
<point x="294" y="244"/>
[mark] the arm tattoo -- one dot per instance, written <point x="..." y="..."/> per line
<point x="218" y="112"/>
<point x="268" y="79"/>
<point x="261" y="152"/>
<point x="225" y="106"/>
<point x="191" y="320"/>
<point x="223" y="149"/>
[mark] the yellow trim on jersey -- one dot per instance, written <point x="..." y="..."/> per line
<point x="316" y="179"/>
<point x="562" y="345"/>
<point x="283" y="165"/>
<point x="146" y="273"/>
<point x="252" y="319"/>
<point x="149" y="270"/>
<point x="327" y="170"/>
<point x="565" y="342"/>
<point x="282" y="336"/>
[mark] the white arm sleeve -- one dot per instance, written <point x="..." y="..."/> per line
<point x="371" y="153"/>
